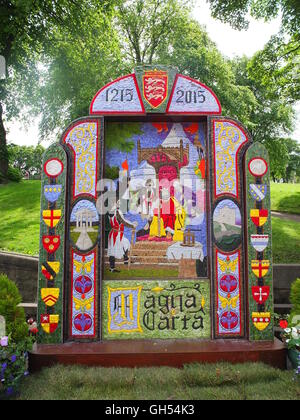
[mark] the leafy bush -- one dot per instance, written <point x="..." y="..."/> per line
<point x="14" y="175"/>
<point x="27" y="159"/>
<point x="295" y="299"/>
<point x="14" y="316"/>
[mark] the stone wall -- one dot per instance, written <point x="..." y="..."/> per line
<point x="284" y="276"/>
<point x="23" y="270"/>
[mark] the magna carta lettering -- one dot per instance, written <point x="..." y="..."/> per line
<point x="155" y="221"/>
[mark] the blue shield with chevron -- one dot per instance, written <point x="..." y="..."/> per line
<point x="258" y="192"/>
<point x="52" y="192"/>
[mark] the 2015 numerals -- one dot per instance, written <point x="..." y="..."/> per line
<point x="190" y="96"/>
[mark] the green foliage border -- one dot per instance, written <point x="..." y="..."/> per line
<point x="55" y="151"/>
<point x="258" y="150"/>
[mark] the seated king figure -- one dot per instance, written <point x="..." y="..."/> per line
<point x="168" y="219"/>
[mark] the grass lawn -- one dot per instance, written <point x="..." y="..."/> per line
<point x="20" y="217"/>
<point x="285" y="198"/>
<point x="193" y="382"/>
<point x="286" y="241"/>
<point x="20" y="220"/>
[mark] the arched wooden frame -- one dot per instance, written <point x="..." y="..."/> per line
<point x="170" y="111"/>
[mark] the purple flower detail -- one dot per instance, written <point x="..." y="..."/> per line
<point x="4" y="342"/>
<point x="13" y="358"/>
<point x="9" y="391"/>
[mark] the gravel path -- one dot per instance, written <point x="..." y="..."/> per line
<point x="287" y="216"/>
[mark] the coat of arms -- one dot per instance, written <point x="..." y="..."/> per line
<point x="155" y="86"/>
<point x="260" y="242"/>
<point x="50" y="270"/>
<point x="51" y="243"/>
<point x="51" y="217"/>
<point x="260" y="268"/>
<point x="50" y="296"/>
<point x="52" y="192"/>
<point x="260" y="294"/>
<point x="259" y="217"/>
<point x="258" y="192"/>
<point x="49" y="323"/>
<point x="261" y="320"/>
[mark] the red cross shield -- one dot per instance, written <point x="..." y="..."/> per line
<point x="260" y="294"/>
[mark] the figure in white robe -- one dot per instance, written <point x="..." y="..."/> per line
<point x="118" y="244"/>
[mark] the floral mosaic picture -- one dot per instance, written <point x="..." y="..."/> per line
<point x="156" y="309"/>
<point x="155" y="227"/>
<point x="227" y="221"/>
<point x="84" y="223"/>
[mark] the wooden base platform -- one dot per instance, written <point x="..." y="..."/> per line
<point x="157" y="353"/>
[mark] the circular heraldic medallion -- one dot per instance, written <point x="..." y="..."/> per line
<point x="53" y="168"/>
<point x="258" y="167"/>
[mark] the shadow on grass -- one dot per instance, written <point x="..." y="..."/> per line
<point x="24" y="195"/>
<point x="289" y="204"/>
<point x="20" y="217"/>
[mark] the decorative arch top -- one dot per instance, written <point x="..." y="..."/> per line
<point x="192" y="97"/>
<point x="121" y="96"/>
<point x="159" y="90"/>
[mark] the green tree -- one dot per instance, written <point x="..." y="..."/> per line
<point x="151" y="31"/>
<point x="78" y="59"/>
<point x="27" y="30"/>
<point x="77" y="65"/>
<point x="293" y="167"/>
<point x="196" y="55"/>
<point x="272" y="117"/>
<point x="135" y="31"/>
<point x="27" y="159"/>
<point x="14" y="315"/>
<point x="279" y="158"/>
<point x="279" y="62"/>
<point x="147" y="26"/>
<point x="236" y="12"/>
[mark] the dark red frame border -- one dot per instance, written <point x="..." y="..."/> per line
<point x="240" y="291"/>
<point x="78" y="123"/>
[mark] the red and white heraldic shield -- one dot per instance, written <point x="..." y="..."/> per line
<point x="155" y="85"/>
